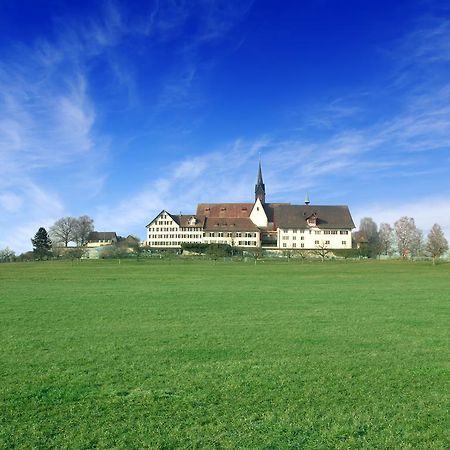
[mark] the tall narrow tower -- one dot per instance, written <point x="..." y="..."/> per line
<point x="260" y="188"/>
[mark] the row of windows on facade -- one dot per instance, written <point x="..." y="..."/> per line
<point x="175" y="228"/>
<point x="316" y="231"/>
<point x="207" y="234"/>
<point x="175" y="236"/>
<point x="171" y="244"/>
<point x="294" y="238"/>
<point x="302" y="245"/>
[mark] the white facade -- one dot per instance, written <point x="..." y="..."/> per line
<point x="258" y="215"/>
<point x="165" y="232"/>
<point x="313" y="238"/>
<point x="233" y="238"/>
<point x="258" y="224"/>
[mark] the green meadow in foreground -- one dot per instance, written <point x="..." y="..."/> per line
<point x="191" y="354"/>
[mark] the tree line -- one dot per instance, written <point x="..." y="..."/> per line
<point x="404" y="237"/>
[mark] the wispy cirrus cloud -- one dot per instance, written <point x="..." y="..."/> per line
<point x="53" y="148"/>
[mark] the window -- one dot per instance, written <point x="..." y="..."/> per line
<point x="317" y="232"/>
<point x="316" y="242"/>
<point x="344" y="242"/>
<point x="294" y="245"/>
<point x="302" y="245"/>
<point x="343" y="232"/>
<point x="327" y="242"/>
<point x="284" y="244"/>
<point x="294" y="238"/>
<point x="302" y="238"/>
<point x="294" y="231"/>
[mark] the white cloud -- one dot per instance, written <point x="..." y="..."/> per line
<point x="31" y="207"/>
<point x="426" y="211"/>
<point x="10" y="202"/>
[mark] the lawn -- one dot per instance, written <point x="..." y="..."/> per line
<point x="192" y="354"/>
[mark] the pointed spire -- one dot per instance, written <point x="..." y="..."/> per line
<point x="307" y="202"/>
<point x="259" y="179"/>
<point x="260" y="189"/>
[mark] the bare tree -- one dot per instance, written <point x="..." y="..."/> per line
<point x="83" y="226"/>
<point x="63" y="231"/>
<point x="7" y="255"/>
<point x="322" y="250"/>
<point x="287" y="254"/>
<point x="436" y="244"/>
<point x="385" y="238"/>
<point x="409" y="237"/>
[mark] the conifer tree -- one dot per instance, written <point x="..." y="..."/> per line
<point x="42" y="245"/>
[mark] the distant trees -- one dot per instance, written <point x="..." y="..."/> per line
<point x="368" y="232"/>
<point x="62" y="231"/>
<point x="7" y="255"/>
<point x="71" y="229"/>
<point x="322" y="250"/>
<point x="83" y="226"/>
<point x="409" y="237"/>
<point x="405" y="237"/>
<point x="385" y="239"/>
<point x="436" y="244"/>
<point x="42" y="244"/>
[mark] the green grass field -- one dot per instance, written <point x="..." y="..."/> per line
<point x="191" y="354"/>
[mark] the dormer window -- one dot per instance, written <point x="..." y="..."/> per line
<point x="312" y="220"/>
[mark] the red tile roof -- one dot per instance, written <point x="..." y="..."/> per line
<point x="229" y="224"/>
<point x="224" y="210"/>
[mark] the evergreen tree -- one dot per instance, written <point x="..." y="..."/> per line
<point x="42" y="245"/>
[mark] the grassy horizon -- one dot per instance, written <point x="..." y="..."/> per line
<point x="190" y="354"/>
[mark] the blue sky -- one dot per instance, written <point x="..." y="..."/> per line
<point x="120" y="109"/>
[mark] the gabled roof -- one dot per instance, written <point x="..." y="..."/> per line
<point x="294" y="216"/>
<point x="224" y="210"/>
<point x="95" y="236"/>
<point x="269" y="209"/>
<point x="229" y="224"/>
<point x="183" y="220"/>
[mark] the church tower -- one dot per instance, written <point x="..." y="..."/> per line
<point x="260" y="189"/>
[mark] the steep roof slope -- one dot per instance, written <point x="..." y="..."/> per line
<point x="224" y="210"/>
<point x="102" y="236"/>
<point x="294" y="216"/>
